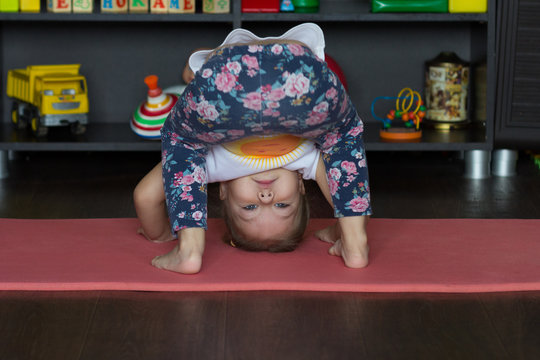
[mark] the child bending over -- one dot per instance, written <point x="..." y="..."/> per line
<point x="251" y="87"/>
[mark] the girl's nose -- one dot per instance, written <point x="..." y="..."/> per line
<point x="266" y="196"/>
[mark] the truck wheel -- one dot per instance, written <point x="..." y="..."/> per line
<point x="37" y="128"/>
<point x="16" y="120"/>
<point x="78" y="128"/>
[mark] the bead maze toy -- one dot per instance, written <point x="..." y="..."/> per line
<point x="149" y="117"/>
<point x="410" y="109"/>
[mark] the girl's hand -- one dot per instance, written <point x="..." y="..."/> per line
<point x="331" y="234"/>
<point x="349" y="240"/>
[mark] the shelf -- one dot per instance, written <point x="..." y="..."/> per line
<point x="103" y="17"/>
<point x="329" y="11"/>
<point x="472" y="138"/>
<point x="119" y="137"/>
<point x="98" y="137"/>
<point x="22" y="36"/>
<point x="360" y="11"/>
<point x="367" y="17"/>
<point x="247" y="17"/>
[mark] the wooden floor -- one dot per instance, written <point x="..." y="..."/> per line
<point x="267" y="325"/>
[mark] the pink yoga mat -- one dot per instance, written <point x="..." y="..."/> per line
<point x="450" y="255"/>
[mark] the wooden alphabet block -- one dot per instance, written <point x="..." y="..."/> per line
<point x="138" y="6"/>
<point x="30" y="5"/>
<point x="9" y="5"/>
<point x="159" y="6"/>
<point x="59" y="6"/>
<point x="181" y="6"/>
<point x="114" y="6"/>
<point x="83" y="6"/>
<point x="216" y="6"/>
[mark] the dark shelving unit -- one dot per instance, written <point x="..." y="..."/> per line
<point x="119" y="137"/>
<point x="105" y="17"/>
<point x="379" y="53"/>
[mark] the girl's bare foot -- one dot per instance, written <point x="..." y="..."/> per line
<point x="186" y="257"/>
<point x="185" y="263"/>
<point x="355" y="250"/>
<point x="355" y="257"/>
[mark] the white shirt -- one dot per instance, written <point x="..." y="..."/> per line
<point x="223" y="165"/>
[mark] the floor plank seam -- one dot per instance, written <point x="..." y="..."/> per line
<point x="89" y="326"/>
<point x="499" y="337"/>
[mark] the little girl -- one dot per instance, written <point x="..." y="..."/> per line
<point x="258" y="87"/>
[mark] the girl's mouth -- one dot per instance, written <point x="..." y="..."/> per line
<point x="264" y="183"/>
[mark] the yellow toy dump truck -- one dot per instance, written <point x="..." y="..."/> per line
<point x="48" y="95"/>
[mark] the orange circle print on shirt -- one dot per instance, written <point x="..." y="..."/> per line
<point x="267" y="151"/>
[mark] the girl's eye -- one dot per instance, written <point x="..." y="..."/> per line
<point x="250" y="207"/>
<point x="281" y="205"/>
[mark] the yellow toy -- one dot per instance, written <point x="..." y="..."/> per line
<point x="9" y="6"/>
<point x="33" y="6"/>
<point x="48" y="95"/>
<point x="467" y="6"/>
<point x="410" y="109"/>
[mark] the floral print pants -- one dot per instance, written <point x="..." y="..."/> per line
<point x="248" y="90"/>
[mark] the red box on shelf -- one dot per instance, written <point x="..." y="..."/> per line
<point x="252" y="6"/>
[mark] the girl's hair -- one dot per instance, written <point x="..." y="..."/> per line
<point x="288" y="242"/>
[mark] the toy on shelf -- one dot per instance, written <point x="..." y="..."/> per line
<point x="410" y="6"/>
<point x="32" y="6"/>
<point x="48" y="95"/>
<point x="59" y="6"/>
<point x="467" y="6"/>
<point x="409" y="109"/>
<point x="149" y="117"/>
<point x="250" y="6"/>
<point x="216" y="6"/>
<point x="306" y="6"/>
<point x="286" y="6"/>
<point x="9" y="5"/>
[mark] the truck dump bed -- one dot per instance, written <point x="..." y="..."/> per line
<point x="20" y="82"/>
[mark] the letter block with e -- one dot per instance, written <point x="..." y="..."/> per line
<point x="181" y="6"/>
<point x="59" y="6"/>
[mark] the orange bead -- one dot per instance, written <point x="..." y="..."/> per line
<point x="405" y="117"/>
